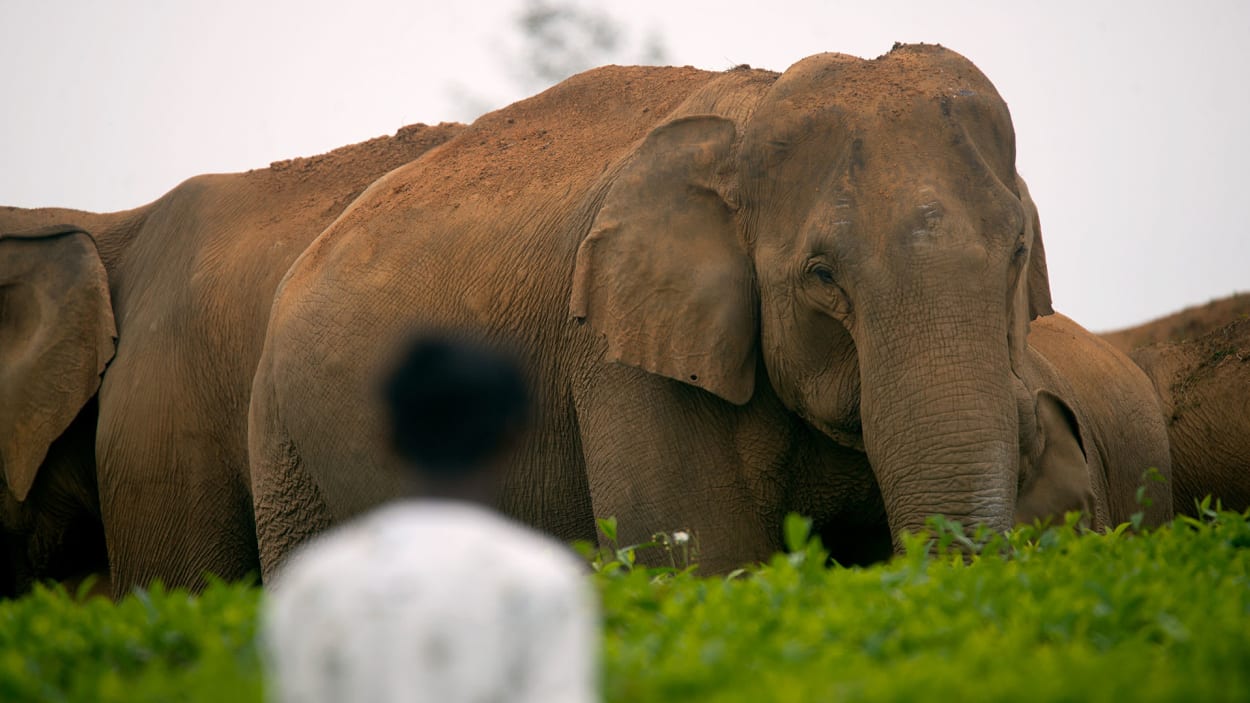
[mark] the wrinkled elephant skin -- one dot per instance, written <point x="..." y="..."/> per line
<point x="738" y="293"/>
<point x="1199" y="362"/>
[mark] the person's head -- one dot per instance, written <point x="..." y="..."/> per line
<point x="455" y="409"/>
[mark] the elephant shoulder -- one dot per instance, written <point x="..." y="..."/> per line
<point x="1116" y="407"/>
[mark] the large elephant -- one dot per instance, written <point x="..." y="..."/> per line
<point x="1199" y="362"/>
<point x="141" y="472"/>
<point x="738" y="294"/>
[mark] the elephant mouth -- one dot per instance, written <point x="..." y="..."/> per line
<point x="849" y="437"/>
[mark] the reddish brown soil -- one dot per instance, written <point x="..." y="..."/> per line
<point x="410" y="141"/>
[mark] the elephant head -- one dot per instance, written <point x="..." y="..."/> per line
<point x="863" y="234"/>
<point x="56" y="335"/>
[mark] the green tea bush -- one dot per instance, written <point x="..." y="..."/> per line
<point x="1040" y="614"/>
<point x="154" y="645"/>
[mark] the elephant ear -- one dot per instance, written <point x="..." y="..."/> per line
<point x="56" y="337"/>
<point x="662" y="274"/>
<point x="1031" y="295"/>
<point x="1037" y="278"/>
<point x="1058" y="479"/>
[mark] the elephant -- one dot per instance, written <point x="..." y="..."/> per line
<point x="129" y="344"/>
<point x="1199" y="362"/>
<point x="737" y="294"/>
<point x="1188" y="324"/>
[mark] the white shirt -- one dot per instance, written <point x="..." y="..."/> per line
<point x="432" y="601"/>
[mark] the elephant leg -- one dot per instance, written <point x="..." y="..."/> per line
<point x="661" y="456"/>
<point x="547" y="486"/>
<point x="288" y="507"/>
<point x="175" y="529"/>
<point x="173" y="499"/>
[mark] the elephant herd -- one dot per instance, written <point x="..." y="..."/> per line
<point x="735" y="294"/>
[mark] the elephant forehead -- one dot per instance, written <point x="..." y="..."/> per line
<point x="923" y="93"/>
<point x="904" y="74"/>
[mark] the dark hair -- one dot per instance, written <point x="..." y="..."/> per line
<point x="454" y="405"/>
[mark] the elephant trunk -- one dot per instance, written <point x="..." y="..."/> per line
<point x="940" y="427"/>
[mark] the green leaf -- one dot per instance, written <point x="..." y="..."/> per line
<point x="796" y="529"/>
<point x="607" y="526"/>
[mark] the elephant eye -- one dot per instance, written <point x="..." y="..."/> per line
<point x="823" y="273"/>
<point x="830" y="297"/>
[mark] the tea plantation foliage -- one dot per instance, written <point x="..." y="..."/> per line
<point x="1037" y="615"/>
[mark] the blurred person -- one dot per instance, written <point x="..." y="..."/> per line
<point x="438" y="597"/>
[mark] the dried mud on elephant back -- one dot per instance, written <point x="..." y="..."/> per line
<point x="1187" y="324"/>
<point x="1222" y="356"/>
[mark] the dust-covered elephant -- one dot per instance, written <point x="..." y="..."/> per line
<point x="738" y="294"/>
<point x="1199" y="362"/>
<point x="142" y="466"/>
<point x="1186" y="325"/>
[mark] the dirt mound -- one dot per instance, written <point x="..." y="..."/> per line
<point x="1188" y="324"/>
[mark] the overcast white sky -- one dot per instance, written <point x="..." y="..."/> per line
<point x="1133" y="119"/>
